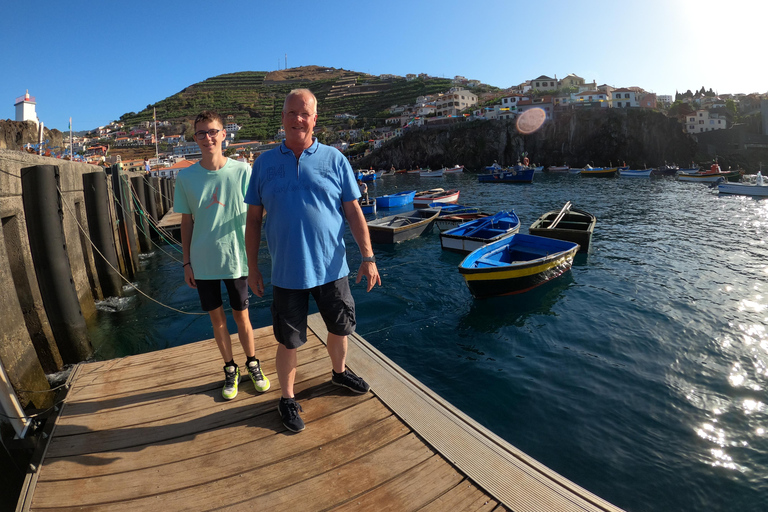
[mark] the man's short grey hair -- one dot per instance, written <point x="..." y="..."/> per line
<point x="303" y="92"/>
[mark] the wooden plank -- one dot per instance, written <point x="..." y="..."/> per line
<point x="273" y="480"/>
<point x="515" y="479"/>
<point x="173" y="386"/>
<point x="82" y="439"/>
<point x="465" y="496"/>
<point x="242" y="455"/>
<point x="331" y="488"/>
<point x="409" y="490"/>
<point x="319" y="410"/>
<point x="130" y="379"/>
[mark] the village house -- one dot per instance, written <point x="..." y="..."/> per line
<point x="704" y="121"/>
<point x="544" y="83"/>
<point x="454" y="101"/>
<point x="173" y="170"/>
<point x="624" y="98"/>
<point x="597" y="99"/>
<point x="543" y="102"/>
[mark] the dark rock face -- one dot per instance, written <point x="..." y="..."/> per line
<point x="14" y="134"/>
<point x="599" y="137"/>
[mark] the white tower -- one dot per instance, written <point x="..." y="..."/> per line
<point x="25" y="108"/>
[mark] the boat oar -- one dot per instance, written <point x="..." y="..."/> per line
<point x="566" y="207"/>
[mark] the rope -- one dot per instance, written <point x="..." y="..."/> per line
<point x="160" y="231"/>
<point x="113" y="268"/>
<point x="147" y="217"/>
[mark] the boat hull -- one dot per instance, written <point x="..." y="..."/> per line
<point x="446" y="222"/>
<point x="576" y="226"/>
<point x="516" y="264"/>
<point x="397" y="228"/>
<point x="632" y="173"/>
<point x="599" y="173"/>
<point x="472" y="235"/>
<point x="743" y="189"/>
<point x="708" y="177"/>
<point x="395" y="200"/>
<point x="368" y="206"/>
<point x="446" y="197"/>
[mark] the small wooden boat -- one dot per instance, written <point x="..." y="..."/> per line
<point x="368" y="206"/>
<point x="568" y="224"/>
<point x="453" y="220"/>
<point x="390" y="172"/>
<point x="599" y="172"/>
<point x="666" y="170"/>
<point x="431" y="174"/>
<point x="701" y="177"/>
<point x="395" y="200"/>
<point x="366" y="176"/>
<point x="474" y="234"/>
<point x="516" y="264"/>
<point x="517" y="174"/>
<point x="453" y="170"/>
<point x="396" y="228"/>
<point x="635" y="173"/>
<point x="558" y="168"/>
<point x="436" y="195"/>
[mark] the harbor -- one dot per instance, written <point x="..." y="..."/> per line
<point x="636" y="375"/>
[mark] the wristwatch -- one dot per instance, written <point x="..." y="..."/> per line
<point x="372" y="259"/>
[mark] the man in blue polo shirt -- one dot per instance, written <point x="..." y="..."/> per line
<point x="309" y="189"/>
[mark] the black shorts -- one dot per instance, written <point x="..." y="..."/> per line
<point x="209" y="291"/>
<point x="290" y="309"/>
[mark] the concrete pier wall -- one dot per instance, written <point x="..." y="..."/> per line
<point x="28" y="343"/>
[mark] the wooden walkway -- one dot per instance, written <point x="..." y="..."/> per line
<point x="151" y="432"/>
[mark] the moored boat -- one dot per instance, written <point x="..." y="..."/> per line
<point x="635" y="173"/>
<point x="368" y="206"/>
<point x="558" y="168"/>
<point x="404" y="226"/>
<point x="517" y="174"/>
<point x="431" y="174"/>
<point x="474" y="234"/>
<point x="756" y="189"/>
<point x="706" y="177"/>
<point x="395" y="200"/>
<point x="436" y="195"/>
<point x="453" y="170"/>
<point x="599" y="172"/>
<point x="569" y="224"/>
<point x="452" y="220"/>
<point x="516" y="264"/>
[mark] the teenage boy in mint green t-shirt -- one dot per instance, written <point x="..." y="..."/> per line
<point x="209" y="195"/>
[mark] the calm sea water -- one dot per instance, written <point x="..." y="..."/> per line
<point x="641" y="374"/>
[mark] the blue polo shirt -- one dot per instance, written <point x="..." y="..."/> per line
<point x="305" y="220"/>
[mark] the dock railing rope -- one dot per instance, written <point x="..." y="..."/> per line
<point x="87" y="236"/>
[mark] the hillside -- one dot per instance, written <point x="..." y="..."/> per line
<point x="255" y="98"/>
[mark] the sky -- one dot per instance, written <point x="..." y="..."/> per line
<point x="94" y="61"/>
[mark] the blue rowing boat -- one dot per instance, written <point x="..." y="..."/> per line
<point x="476" y="233"/>
<point x="395" y="200"/>
<point x="516" y="264"/>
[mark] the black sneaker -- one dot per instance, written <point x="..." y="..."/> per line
<point x="350" y="381"/>
<point x="289" y="411"/>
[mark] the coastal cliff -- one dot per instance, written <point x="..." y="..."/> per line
<point x="599" y="137"/>
<point x="14" y="134"/>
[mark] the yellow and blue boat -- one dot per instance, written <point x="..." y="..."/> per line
<point x="516" y="264"/>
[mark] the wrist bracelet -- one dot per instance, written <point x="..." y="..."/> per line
<point x="187" y="263"/>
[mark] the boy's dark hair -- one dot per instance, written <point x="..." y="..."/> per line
<point x="208" y="115"/>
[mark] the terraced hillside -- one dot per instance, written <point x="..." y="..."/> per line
<point x="255" y="98"/>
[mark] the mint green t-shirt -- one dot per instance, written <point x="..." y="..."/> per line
<point x="215" y="201"/>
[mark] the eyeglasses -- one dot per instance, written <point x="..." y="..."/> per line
<point x="293" y="114"/>
<point x="202" y="133"/>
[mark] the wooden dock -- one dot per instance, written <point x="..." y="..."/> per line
<point x="151" y="432"/>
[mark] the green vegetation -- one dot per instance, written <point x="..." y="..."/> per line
<point x="256" y="101"/>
